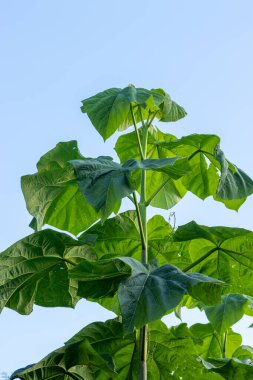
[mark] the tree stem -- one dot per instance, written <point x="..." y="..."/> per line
<point x="142" y="221"/>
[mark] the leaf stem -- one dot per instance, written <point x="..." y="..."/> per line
<point x="151" y="120"/>
<point x="224" y="344"/>
<point x="147" y="203"/>
<point x="202" y="258"/>
<point x="131" y="198"/>
<point x="142" y="234"/>
<point x="141" y="117"/>
<point x="137" y="133"/>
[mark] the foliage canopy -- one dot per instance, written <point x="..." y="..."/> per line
<point x="140" y="269"/>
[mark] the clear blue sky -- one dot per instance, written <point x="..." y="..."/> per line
<point x="55" y="53"/>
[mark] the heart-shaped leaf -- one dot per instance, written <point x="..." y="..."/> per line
<point x="112" y="109"/>
<point x="171" y="190"/>
<point x="146" y="296"/>
<point x="225" y="253"/>
<point x="101" y="278"/>
<point x="208" y="343"/>
<point x="229" y="311"/>
<point x="105" y="346"/>
<point x="211" y="173"/>
<point x="230" y="368"/>
<point x="35" y="271"/>
<point x="119" y="236"/>
<point x="104" y="182"/>
<point x="52" y="195"/>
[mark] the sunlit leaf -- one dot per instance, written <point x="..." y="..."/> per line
<point x="100" y="347"/>
<point x="35" y="271"/>
<point x="119" y="236"/>
<point x="225" y="253"/>
<point x="230" y="368"/>
<point x="104" y="182"/>
<point x="52" y="195"/>
<point x="173" y="190"/>
<point x="229" y="311"/>
<point x="211" y="173"/>
<point x="111" y="109"/>
<point x="209" y="344"/>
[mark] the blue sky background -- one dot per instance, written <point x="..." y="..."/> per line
<point x="56" y="53"/>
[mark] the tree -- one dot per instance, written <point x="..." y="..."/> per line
<point x="140" y="269"/>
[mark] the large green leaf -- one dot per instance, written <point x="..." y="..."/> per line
<point x="173" y="190"/>
<point x="101" y="278"/>
<point x="211" y="173"/>
<point x="52" y="195"/>
<point x="171" y="355"/>
<point x="230" y="311"/>
<point x="111" y="109"/>
<point x="231" y="368"/>
<point x="104" y="182"/>
<point x="209" y="344"/>
<point x="146" y="295"/>
<point x="119" y="236"/>
<point x="225" y="253"/>
<point x="35" y="271"/>
<point x="75" y="361"/>
<point x="244" y="352"/>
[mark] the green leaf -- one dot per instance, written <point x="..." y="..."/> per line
<point x="111" y="109"/>
<point x="243" y="353"/>
<point x="208" y="342"/>
<point x="230" y="311"/>
<point x="225" y="253"/>
<point x="104" y="182"/>
<point x="35" y="271"/>
<point x="211" y="173"/>
<point x="101" y="278"/>
<point x="52" y="195"/>
<point x="146" y="296"/>
<point x="173" y="190"/>
<point x="169" y="110"/>
<point x="231" y="368"/>
<point x="171" y="355"/>
<point x="74" y="361"/>
<point x="119" y="236"/>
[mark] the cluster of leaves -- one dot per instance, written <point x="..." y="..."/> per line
<point x="139" y="269"/>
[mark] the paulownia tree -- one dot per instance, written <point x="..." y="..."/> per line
<point x="140" y="269"/>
